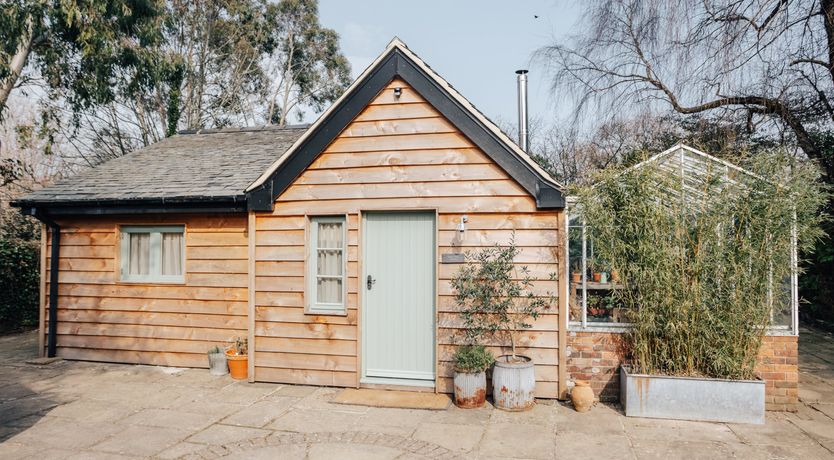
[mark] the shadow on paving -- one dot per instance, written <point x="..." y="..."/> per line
<point x="20" y="406"/>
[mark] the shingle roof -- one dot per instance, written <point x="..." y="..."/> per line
<point x="191" y="166"/>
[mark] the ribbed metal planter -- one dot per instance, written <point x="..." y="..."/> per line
<point x="218" y="364"/>
<point x="470" y="389"/>
<point x="513" y="383"/>
<point x="692" y="398"/>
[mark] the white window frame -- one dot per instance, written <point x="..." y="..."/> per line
<point x="154" y="257"/>
<point x="313" y="306"/>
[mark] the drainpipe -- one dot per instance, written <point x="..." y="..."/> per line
<point x="55" y="230"/>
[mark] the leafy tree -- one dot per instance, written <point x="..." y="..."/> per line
<point x="310" y="68"/>
<point x="77" y="47"/>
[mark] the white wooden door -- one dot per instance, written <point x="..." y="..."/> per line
<point x="398" y="292"/>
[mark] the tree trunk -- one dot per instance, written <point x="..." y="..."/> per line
<point x="16" y="66"/>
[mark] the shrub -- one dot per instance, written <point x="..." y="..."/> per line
<point x="495" y="296"/>
<point x="19" y="284"/>
<point x="472" y="358"/>
<point x="701" y="260"/>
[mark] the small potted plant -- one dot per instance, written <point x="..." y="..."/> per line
<point x="217" y="362"/>
<point x="576" y="275"/>
<point x="238" y="357"/>
<point x="471" y="363"/>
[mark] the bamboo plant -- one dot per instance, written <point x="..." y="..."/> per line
<point x="700" y="258"/>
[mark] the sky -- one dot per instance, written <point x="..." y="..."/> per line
<point x="475" y="45"/>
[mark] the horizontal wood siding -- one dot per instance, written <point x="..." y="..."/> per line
<point x="397" y="155"/>
<point x="102" y="319"/>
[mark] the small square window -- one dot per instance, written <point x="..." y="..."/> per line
<point x="153" y="254"/>
<point x="326" y="266"/>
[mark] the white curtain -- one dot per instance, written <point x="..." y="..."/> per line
<point x="329" y="263"/>
<point x="172" y="253"/>
<point x="140" y="250"/>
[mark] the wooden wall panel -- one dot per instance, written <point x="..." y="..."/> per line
<point x="398" y="154"/>
<point x="102" y="319"/>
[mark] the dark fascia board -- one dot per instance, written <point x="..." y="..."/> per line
<point x="220" y="205"/>
<point x="397" y="64"/>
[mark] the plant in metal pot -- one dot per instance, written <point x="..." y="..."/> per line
<point x="238" y="357"/>
<point x="471" y="363"/>
<point x="704" y="255"/>
<point x="496" y="298"/>
<point x="217" y="361"/>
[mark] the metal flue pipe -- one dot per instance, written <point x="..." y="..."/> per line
<point x="523" y="135"/>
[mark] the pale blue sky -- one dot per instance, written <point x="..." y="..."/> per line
<point x="476" y="45"/>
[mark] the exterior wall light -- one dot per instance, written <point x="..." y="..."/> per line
<point x="462" y="225"/>
<point x="398" y="92"/>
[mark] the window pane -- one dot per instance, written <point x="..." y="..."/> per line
<point x="139" y="255"/>
<point x="330" y="235"/>
<point x="172" y="253"/>
<point x="329" y="262"/>
<point x="329" y="290"/>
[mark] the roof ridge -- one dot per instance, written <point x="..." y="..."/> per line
<point x="243" y="129"/>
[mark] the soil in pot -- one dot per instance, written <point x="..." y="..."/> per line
<point x="582" y="396"/>
<point x="238" y="366"/>
<point x="513" y="383"/>
<point x="470" y="389"/>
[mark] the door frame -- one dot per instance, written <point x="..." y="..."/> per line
<point x="435" y="385"/>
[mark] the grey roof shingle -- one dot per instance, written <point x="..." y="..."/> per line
<point x="197" y="166"/>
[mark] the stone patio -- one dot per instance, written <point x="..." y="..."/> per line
<point x="94" y="410"/>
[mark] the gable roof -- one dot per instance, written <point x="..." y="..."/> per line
<point x="398" y="61"/>
<point x="192" y="171"/>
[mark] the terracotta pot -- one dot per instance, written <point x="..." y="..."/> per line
<point x="582" y="396"/>
<point x="576" y="277"/>
<point x="238" y="366"/>
<point x="597" y="277"/>
<point x="615" y="276"/>
<point x="470" y="389"/>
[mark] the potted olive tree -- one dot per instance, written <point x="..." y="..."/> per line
<point x="496" y="298"/>
<point x="471" y="363"/>
<point x="700" y="261"/>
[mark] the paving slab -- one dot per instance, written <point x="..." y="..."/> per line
<point x="314" y="420"/>
<point x="260" y="413"/>
<point x="168" y="418"/>
<point x="392" y="421"/>
<point x="141" y="441"/>
<point x="459" y="438"/>
<point x="227" y="434"/>
<point x="352" y="452"/>
<point x="510" y="440"/>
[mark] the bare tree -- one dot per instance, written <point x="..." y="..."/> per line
<point x="768" y="63"/>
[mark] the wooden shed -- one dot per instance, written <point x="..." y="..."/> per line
<point x="330" y="246"/>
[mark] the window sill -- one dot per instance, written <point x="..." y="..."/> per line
<point x="313" y="312"/>
<point x="611" y="328"/>
<point x="152" y="281"/>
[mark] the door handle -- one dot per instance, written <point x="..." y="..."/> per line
<point x="370" y="282"/>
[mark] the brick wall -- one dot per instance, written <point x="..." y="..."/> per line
<point x="778" y="367"/>
<point x="596" y="357"/>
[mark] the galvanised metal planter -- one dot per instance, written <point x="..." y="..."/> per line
<point x="470" y="389"/>
<point x="692" y="398"/>
<point x="218" y="364"/>
<point x="513" y="383"/>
